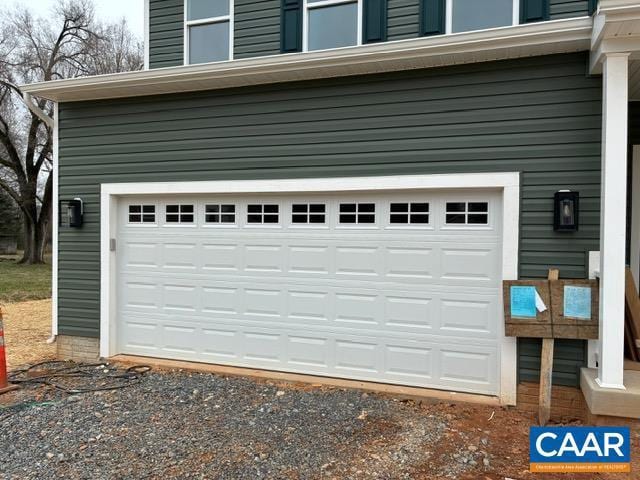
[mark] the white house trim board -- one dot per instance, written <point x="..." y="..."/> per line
<point x="55" y="219"/>
<point x="509" y="183"/>
<point x="613" y="220"/>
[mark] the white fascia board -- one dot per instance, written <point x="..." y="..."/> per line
<point x="558" y="36"/>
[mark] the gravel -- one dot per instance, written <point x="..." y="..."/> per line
<point x="191" y="425"/>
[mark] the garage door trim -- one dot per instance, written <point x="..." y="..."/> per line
<point x="507" y="182"/>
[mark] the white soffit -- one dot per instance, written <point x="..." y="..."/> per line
<point x="616" y="29"/>
<point x="558" y="36"/>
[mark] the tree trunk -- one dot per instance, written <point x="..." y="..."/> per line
<point x="35" y="242"/>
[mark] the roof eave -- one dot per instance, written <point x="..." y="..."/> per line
<point x="560" y="36"/>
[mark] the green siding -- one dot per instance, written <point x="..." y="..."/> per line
<point x="540" y="116"/>
<point x="568" y="8"/>
<point x="568" y="357"/>
<point x="257" y="28"/>
<point x="166" y="32"/>
<point x="403" y="19"/>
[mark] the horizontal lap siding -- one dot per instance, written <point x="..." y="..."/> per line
<point x="538" y="116"/>
<point x="403" y="19"/>
<point x="166" y="32"/>
<point x="568" y="357"/>
<point x="568" y="9"/>
<point x="257" y="28"/>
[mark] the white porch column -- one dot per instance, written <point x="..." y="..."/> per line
<point x="613" y="219"/>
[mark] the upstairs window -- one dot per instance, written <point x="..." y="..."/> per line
<point x="468" y="15"/>
<point x="208" y="31"/>
<point x="332" y="24"/>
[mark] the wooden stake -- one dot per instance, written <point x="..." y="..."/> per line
<point x="546" y="369"/>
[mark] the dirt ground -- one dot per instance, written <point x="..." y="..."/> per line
<point x="471" y="433"/>
<point x="27" y="325"/>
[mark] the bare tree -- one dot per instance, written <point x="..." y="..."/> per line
<point x="69" y="44"/>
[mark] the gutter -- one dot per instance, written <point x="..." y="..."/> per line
<point x="544" y="38"/>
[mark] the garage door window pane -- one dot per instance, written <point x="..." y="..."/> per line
<point x="409" y="213"/>
<point x="179" y="213"/>
<point x="469" y="213"/>
<point x="333" y="26"/>
<point x="263" y="214"/>
<point x="308" y="213"/>
<point x="142" y="214"/>
<point x="209" y="43"/>
<point x="477" y="15"/>
<point x="357" y="213"/>
<point x="220" y="214"/>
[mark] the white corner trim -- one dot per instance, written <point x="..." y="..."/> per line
<point x="556" y="36"/>
<point x="55" y="214"/>
<point x="508" y="182"/>
<point x="146" y="34"/>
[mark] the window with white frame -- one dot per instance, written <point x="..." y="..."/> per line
<point x="179" y="213"/>
<point x="409" y="213"/>
<point x="263" y="214"/>
<point x="305" y="213"/>
<point x="208" y="31"/>
<point x="468" y="15"/>
<point x="142" y="214"/>
<point x="467" y="213"/>
<point x="222" y="214"/>
<point x="332" y="24"/>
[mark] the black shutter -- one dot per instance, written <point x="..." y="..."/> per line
<point x="374" y="21"/>
<point x="291" y="26"/>
<point x="534" y="11"/>
<point x="432" y="14"/>
<point x="593" y="6"/>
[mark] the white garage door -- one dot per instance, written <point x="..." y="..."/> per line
<point x="400" y="288"/>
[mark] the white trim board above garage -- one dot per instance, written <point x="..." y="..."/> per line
<point x="506" y="183"/>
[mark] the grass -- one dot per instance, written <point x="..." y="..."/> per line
<point x="19" y="283"/>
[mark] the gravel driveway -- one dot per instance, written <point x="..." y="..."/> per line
<point x="190" y="425"/>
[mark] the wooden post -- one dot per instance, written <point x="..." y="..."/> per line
<point x="546" y="370"/>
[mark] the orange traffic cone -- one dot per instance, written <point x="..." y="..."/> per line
<point x="4" y="384"/>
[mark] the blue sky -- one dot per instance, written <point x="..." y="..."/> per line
<point x="132" y="10"/>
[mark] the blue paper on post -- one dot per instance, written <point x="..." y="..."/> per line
<point x="577" y="302"/>
<point x="523" y="301"/>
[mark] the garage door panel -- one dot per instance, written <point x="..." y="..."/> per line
<point x="412" y="305"/>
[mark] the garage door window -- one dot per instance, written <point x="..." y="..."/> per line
<point x="467" y="213"/>
<point x="263" y="214"/>
<point x="220" y="214"/>
<point x="357" y="213"/>
<point x="179" y="214"/>
<point x="303" y="213"/>
<point x="409" y="213"/>
<point x="142" y="214"/>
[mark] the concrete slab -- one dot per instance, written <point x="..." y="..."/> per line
<point x="611" y="402"/>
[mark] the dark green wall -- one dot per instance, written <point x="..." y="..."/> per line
<point x="568" y="8"/>
<point x="539" y="116"/>
<point x="257" y="26"/>
<point x="166" y="32"/>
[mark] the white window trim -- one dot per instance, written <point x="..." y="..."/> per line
<point x="507" y="182"/>
<point x="515" y="20"/>
<point x="206" y="21"/>
<point x="328" y="3"/>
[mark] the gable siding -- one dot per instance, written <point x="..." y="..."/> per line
<point x="538" y="116"/>
<point x="166" y="32"/>
<point x="257" y="28"/>
<point x="568" y="9"/>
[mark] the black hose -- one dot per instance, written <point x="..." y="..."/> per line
<point x="87" y="374"/>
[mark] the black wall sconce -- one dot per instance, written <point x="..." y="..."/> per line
<point x="72" y="213"/>
<point x="566" y="211"/>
